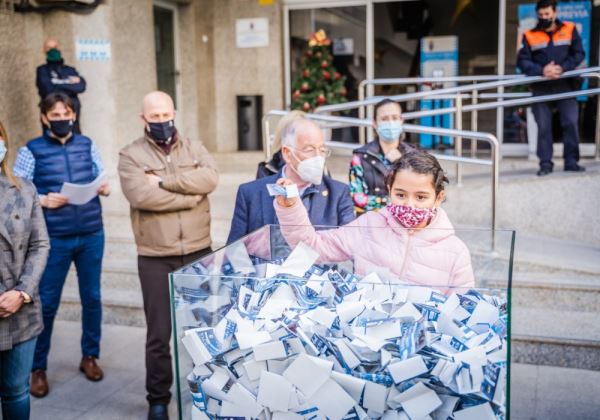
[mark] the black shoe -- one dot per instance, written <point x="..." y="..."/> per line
<point x="544" y="171"/>
<point x="575" y="168"/>
<point x="158" y="412"/>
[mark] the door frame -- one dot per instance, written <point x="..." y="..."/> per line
<point x="164" y="4"/>
<point x="318" y="4"/>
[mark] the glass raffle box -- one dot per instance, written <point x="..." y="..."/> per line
<point x="292" y="322"/>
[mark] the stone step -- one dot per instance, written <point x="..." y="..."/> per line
<point x="119" y="307"/>
<point x="556" y="337"/>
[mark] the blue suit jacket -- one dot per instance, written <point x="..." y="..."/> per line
<point x="328" y="204"/>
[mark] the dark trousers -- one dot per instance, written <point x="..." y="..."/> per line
<point x="86" y="252"/>
<point x="569" y="112"/>
<point x="154" y="278"/>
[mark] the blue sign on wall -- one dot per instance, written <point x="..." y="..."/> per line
<point x="439" y="58"/>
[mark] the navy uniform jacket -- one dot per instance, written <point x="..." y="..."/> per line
<point x="539" y="48"/>
<point x="328" y="204"/>
<point x="53" y="77"/>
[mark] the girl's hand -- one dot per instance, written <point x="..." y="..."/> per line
<point x="281" y="200"/>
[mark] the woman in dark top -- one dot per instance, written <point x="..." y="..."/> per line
<point x="23" y="253"/>
<point x="371" y="162"/>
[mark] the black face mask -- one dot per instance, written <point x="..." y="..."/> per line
<point x="545" y="23"/>
<point x="161" y="131"/>
<point x="61" y="128"/>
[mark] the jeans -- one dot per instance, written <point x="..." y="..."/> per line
<point x="86" y="252"/>
<point x="15" y="365"/>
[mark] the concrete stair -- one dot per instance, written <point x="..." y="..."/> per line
<point x="556" y="282"/>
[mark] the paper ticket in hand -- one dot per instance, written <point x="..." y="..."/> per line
<point x="289" y="191"/>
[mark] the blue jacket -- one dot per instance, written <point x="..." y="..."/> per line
<point x="52" y="77"/>
<point x="55" y="164"/>
<point x="539" y="48"/>
<point x="328" y="204"/>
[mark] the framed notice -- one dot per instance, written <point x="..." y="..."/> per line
<point x="92" y="49"/>
<point x="252" y="33"/>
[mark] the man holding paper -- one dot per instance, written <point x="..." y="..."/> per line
<point x="76" y="232"/>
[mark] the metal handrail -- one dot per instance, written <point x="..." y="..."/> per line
<point x="502" y="81"/>
<point x="453" y="90"/>
<point x="409" y="128"/>
<point x="507" y="103"/>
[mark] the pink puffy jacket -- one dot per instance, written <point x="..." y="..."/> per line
<point x="433" y="256"/>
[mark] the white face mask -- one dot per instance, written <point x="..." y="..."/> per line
<point x="311" y="169"/>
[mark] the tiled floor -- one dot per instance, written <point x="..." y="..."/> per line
<point x="538" y="392"/>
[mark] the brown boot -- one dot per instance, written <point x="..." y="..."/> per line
<point x="91" y="369"/>
<point x="39" y="384"/>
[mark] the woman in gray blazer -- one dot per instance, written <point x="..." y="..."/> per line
<point x="23" y="252"/>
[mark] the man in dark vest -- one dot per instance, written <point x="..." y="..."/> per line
<point x="76" y="232"/>
<point x="55" y="76"/>
<point x="548" y="50"/>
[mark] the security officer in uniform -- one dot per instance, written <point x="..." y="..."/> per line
<point x="550" y="49"/>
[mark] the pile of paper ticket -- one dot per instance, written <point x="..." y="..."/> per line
<point x="294" y="340"/>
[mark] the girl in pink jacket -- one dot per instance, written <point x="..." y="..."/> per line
<point x="412" y="237"/>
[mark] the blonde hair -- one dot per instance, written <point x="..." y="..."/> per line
<point x="283" y="123"/>
<point x="6" y="169"/>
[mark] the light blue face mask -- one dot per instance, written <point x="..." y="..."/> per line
<point x="390" y="130"/>
<point x="2" y="150"/>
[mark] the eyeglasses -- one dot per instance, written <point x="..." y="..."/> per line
<point x="313" y="151"/>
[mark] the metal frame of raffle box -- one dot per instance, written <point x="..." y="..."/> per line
<point x="262" y="329"/>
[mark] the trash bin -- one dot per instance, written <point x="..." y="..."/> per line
<point x="249" y="114"/>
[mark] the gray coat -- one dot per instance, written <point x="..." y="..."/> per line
<point x="24" y="250"/>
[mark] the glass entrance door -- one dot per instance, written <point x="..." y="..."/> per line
<point x="164" y="36"/>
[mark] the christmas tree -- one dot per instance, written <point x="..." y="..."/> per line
<point x="319" y="83"/>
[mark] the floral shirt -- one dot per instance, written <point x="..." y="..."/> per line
<point x="359" y="190"/>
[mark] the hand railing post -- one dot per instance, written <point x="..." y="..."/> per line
<point x="474" y="122"/>
<point x="458" y="139"/>
<point x="362" y="131"/>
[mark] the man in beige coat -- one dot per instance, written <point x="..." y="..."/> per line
<point x="166" y="179"/>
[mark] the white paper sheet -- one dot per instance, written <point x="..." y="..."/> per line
<point x="274" y="391"/>
<point x="80" y="194"/>
<point x="308" y="373"/>
<point x="332" y="400"/>
<point x="478" y="412"/>
<point x="407" y="369"/>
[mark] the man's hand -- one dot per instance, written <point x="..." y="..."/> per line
<point x="104" y="189"/>
<point x="153" y="179"/>
<point x="10" y="303"/>
<point x="552" y="70"/>
<point x="54" y="200"/>
<point x="74" y="80"/>
<point x="281" y="200"/>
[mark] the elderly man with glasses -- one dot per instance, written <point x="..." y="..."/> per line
<point x="328" y="201"/>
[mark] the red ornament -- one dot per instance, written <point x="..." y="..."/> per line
<point x="318" y="54"/>
<point x="343" y="91"/>
<point x="337" y="75"/>
<point x="304" y="87"/>
<point x="324" y="64"/>
<point x="326" y="75"/>
<point x="306" y="73"/>
<point x="321" y="99"/>
<point x="306" y="107"/>
<point x="296" y="94"/>
<point x="308" y="53"/>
